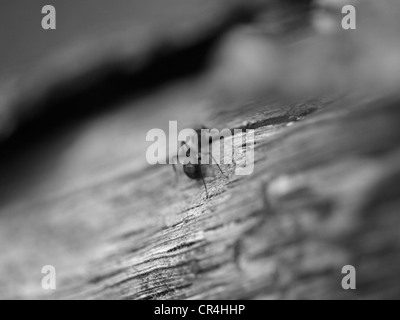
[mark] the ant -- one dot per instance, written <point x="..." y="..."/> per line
<point x="194" y="170"/>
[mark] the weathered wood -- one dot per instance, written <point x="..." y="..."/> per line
<point x="324" y="194"/>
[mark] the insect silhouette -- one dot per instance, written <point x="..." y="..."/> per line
<point x="194" y="171"/>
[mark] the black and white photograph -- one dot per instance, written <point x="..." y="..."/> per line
<point x="225" y="152"/>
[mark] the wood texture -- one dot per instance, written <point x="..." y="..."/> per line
<point x="324" y="194"/>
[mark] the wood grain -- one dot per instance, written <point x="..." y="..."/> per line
<point x="324" y="194"/>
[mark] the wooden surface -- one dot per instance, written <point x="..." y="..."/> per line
<point x="323" y="195"/>
<point x="81" y="197"/>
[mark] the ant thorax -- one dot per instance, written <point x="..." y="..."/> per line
<point x="196" y="148"/>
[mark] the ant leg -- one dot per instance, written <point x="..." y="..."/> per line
<point x="204" y="183"/>
<point x="218" y="166"/>
<point x="176" y="173"/>
<point x="177" y="181"/>
<point x="174" y="165"/>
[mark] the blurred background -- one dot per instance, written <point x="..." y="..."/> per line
<point x="76" y="102"/>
